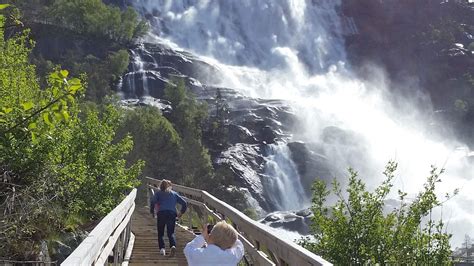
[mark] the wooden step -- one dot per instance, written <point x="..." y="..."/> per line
<point x="145" y="249"/>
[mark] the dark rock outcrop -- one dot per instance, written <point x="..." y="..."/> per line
<point x="425" y="47"/>
<point x="60" y="249"/>
<point x="252" y="123"/>
<point x="311" y="165"/>
<point x="296" y="221"/>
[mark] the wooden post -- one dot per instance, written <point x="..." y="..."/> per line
<point x="190" y="219"/>
<point x="124" y="245"/>
<point x="115" y="252"/>
<point x="148" y="194"/>
<point x="128" y="230"/>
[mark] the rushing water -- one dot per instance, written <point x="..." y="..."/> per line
<point x="282" y="185"/>
<point x="141" y="64"/>
<point x="294" y="50"/>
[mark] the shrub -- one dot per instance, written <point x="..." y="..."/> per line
<point x="56" y="163"/>
<point x="356" y="230"/>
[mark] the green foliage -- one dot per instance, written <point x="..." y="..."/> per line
<point x="159" y="144"/>
<point x="471" y="46"/>
<point x="442" y="33"/>
<point x="187" y="117"/>
<point x="59" y="166"/>
<point x="217" y="131"/>
<point x="93" y="17"/>
<point x="461" y="105"/>
<point x="101" y="35"/>
<point x="99" y="73"/>
<point x="118" y="63"/>
<point x="91" y="167"/>
<point x="356" y="230"/>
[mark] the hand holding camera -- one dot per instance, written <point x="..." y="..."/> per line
<point x="206" y="231"/>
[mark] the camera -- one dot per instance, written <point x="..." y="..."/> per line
<point x="209" y="228"/>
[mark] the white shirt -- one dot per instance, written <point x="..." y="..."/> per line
<point x="212" y="254"/>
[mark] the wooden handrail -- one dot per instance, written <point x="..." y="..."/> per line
<point x="283" y="252"/>
<point x="111" y="234"/>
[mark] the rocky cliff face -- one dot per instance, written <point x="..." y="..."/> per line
<point x="252" y="124"/>
<point x="425" y="46"/>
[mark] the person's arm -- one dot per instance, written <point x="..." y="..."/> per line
<point x="194" y="248"/>
<point x="153" y="201"/>
<point x="182" y="202"/>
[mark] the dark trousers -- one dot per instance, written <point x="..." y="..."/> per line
<point x="168" y="219"/>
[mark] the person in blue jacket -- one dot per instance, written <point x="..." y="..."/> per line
<point x="167" y="199"/>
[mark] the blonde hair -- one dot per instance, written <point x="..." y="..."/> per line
<point x="223" y="235"/>
<point x="165" y="185"/>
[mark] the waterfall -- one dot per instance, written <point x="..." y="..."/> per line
<point x="282" y="184"/>
<point x="138" y="68"/>
<point x="142" y="65"/>
<point x="294" y="50"/>
<point x="252" y="33"/>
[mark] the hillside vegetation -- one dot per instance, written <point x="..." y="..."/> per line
<point x="60" y="163"/>
<point x="69" y="153"/>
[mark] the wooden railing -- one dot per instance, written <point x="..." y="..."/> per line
<point x="112" y="236"/>
<point x="262" y="247"/>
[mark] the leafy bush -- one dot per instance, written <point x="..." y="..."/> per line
<point x="471" y="46"/>
<point x="99" y="73"/>
<point x="356" y="230"/>
<point x="58" y="165"/>
<point x="118" y="63"/>
<point x="159" y="145"/>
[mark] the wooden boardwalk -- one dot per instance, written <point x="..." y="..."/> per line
<point x="145" y="250"/>
<point x="112" y="241"/>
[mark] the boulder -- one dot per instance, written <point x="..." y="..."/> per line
<point x="296" y="221"/>
<point x="63" y="247"/>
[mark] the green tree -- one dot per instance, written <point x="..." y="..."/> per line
<point x="357" y="231"/>
<point x="91" y="166"/>
<point x="93" y="17"/>
<point x="218" y="131"/>
<point x="159" y="145"/>
<point x="56" y="162"/>
<point x="187" y="117"/>
<point x="118" y="63"/>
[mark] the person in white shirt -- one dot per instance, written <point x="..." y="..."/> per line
<point x="223" y="247"/>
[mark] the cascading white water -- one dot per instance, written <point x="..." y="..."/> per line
<point x="138" y="68"/>
<point x="282" y="186"/>
<point x="252" y="33"/>
<point x="293" y="50"/>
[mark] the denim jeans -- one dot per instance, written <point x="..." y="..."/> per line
<point x="168" y="219"/>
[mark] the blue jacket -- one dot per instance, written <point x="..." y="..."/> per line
<point x="167" y="201"/>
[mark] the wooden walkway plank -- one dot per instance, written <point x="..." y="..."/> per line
<point x="145" y="250"/>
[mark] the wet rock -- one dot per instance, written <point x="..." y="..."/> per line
<point x="139" y="83"/>
<point x="267" y="135"/>
<point x="67" y="243"/>
<point x="163" y="105"/>
<point x="310" y="164"/>
<point x="246" y="163"/>
<point x="251" y="123"/>
<point x="296" y="221"/>
<point x="240" y="134"/>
